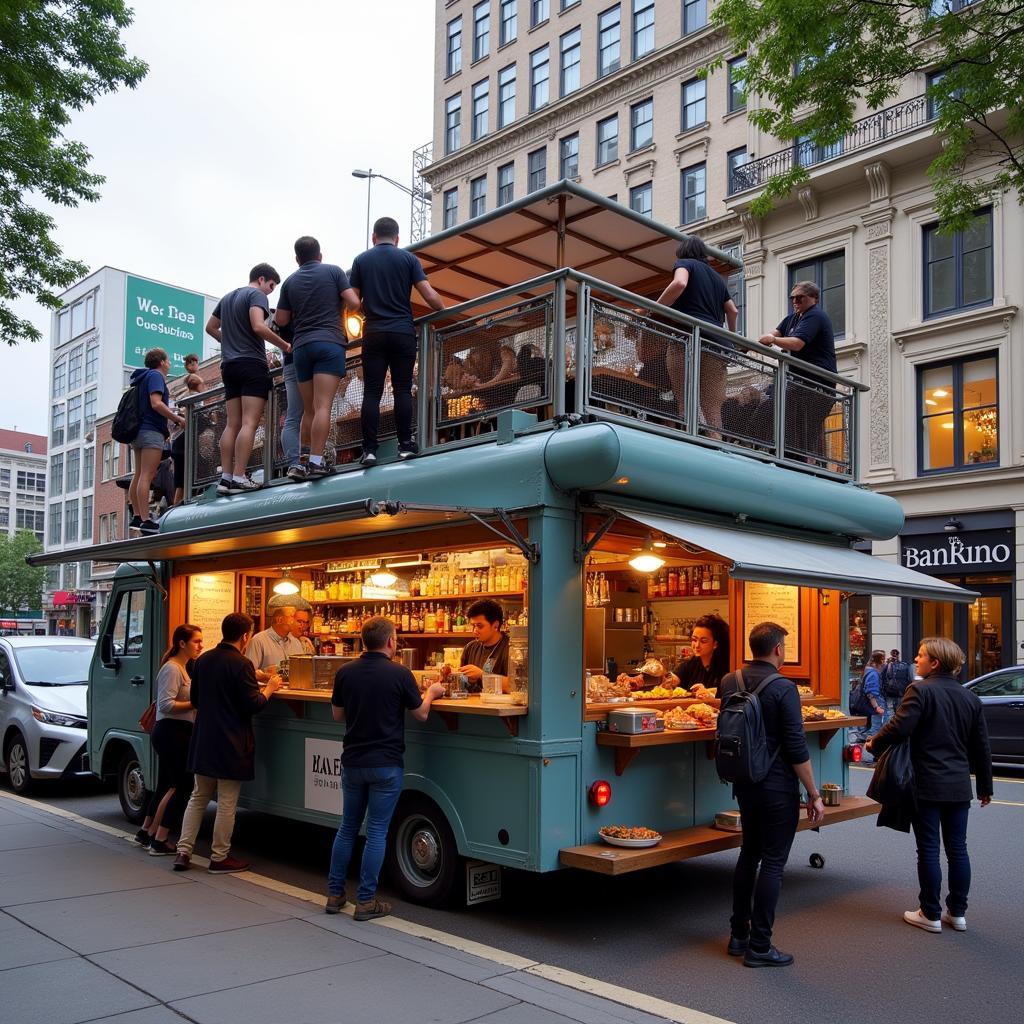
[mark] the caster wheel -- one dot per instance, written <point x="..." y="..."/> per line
<point x="816" y="860"/>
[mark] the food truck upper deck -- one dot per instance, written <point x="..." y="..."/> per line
<point x="538" y="491"/>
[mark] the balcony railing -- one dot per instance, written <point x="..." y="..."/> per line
<point x="876" y="128"/>
<point x="577" y="347"/>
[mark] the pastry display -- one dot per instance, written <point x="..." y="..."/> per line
<point x="627" y="832"/>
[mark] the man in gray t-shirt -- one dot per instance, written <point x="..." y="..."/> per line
<point x="238" y="324"/>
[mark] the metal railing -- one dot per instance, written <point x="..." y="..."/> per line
<point x="876" y="128"/>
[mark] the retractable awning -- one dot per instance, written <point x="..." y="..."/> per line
<point x="762" y="558"/>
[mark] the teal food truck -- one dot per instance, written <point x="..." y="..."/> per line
<point x="573" y="471"/>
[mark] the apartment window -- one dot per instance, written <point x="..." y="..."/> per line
<point x="958" y="267"/>
<point x="958" y="409"/>
<point x="90" y="410"/>
<point x="75" y="369"/>
<point x="808" y="153"/>
<point x="88" y="467"/>
<point x="55" y="522"/>
<point x="509" y="21"/>
<point x="734" y="160"/>
<point x="74" y="417"/>
<point x="569" y="156"/>
<point x="608" y="41"/>
<point x="829" y="274"/>
<point x="63" y="326"/>
<point x="452" y="123"/>
<point x="5" y="479"/>
<point x="92" y="363"/>
<point x="506" y="95"/>
<point x="74" y="465"/>
<point x="478" y="196"/>
<point x="537" y="169"/>
<point x="107" y="471"/>
<point x="481" y="30"/>
<point x="608" y="140"/>
<point x="450" y="208"/>
<point x="540" y="10"/>
<point x="30" y="519"/>
<point x="78" y="318"/>
<point x="539" y="75"/>
<point x="569" y="75"/>
<point x="643" y="28"/>
<point x="695" y="15"/>
<point x="641" y="198"/>
<point x="454" y="57"/>
<point x="641" y="124"/>
<point x="70" y="521"/>
<point x="29" y="481"/>
<point x="506" y="183"/>
<point x="695" y="104"/>
<point x="481" y="108"/>
<point x="737" y="285"/>
<point x="56" y="474"/>
<point x="87" y="523"/>
<point x="57" y="424"/>
<point x="694" y="204"/>
<point x="60" y="378"/>
<point x="737" y="88"/>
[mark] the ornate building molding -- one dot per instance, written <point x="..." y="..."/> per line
<point x="879" y="361"/>
<point x="809" y="201"/>
<point x="703" y="143"/>
<point x="751" y="227"/>
<point x="879" y="180"/>
<point x="643" y="170"/>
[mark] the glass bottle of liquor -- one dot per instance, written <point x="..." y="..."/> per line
<point x="405" y="619"/>
<point x="430" y="619"/>
<point x="705" y="583"/>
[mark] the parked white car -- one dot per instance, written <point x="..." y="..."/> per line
<point x="43" y="686"/>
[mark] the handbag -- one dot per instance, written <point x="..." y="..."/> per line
<point x="892" y="784"/>
<point x="148" y="719"/>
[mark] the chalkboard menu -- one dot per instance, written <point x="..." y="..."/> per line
<point x="211" y="596"/>
<point x="773" y="602"/>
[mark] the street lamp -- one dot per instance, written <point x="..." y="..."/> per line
<point x="369" y="175"/>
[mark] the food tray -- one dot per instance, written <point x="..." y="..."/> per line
<point x="496" y="698"/>
<point x="633" y="844"/>
<point x="684" y="726"/>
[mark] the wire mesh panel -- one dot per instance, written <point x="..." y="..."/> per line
<point x="747" y="410"/>
<point x="817" y="423"/>
<point x="207" y="421"/>
<point x="494" y="362"/>
<point x="346" y="436"/>
<point x="638" y="365"/>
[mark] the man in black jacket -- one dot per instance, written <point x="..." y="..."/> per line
<point x="770" y="809"/>
<point x="226" y="695"/>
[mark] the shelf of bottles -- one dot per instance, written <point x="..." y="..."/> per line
<point x="696" y="581"/>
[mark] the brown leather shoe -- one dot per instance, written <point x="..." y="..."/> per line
<point x="374" y="908"/>
<point x="228" y="865"/>
<point x="181" y="862"/>
<point x="335" y="904"/>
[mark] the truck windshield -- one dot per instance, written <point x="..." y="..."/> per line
<point x="59" y="665"/>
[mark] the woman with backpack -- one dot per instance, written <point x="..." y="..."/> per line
<point x="944" y="724"/>
<point x="872" y="704"/>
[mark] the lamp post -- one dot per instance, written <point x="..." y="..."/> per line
<point x="369" y="175"/>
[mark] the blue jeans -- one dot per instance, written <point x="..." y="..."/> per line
<point x="949" y="818"/>
<point x="372" y="792"/>
<point x="863" y="735"/>
<point x="293" y="416"/>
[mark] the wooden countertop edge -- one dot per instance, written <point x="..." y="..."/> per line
<point x="657" y="739"/>
<point x="458" y="707"/>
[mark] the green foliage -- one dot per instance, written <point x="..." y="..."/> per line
<point x="810" y="61"/>
<point x="56" y="57"/>
<point x="21" y="586"/>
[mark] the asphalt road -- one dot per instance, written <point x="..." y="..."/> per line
<point x="662" y="932"/>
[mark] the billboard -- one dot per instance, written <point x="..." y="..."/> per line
<point x="159" y="316"/>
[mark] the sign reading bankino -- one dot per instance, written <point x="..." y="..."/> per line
<point x="945" y="553"/>
<point x="159" y="316"/>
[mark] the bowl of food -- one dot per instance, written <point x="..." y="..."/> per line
<point x="635" y="837"/>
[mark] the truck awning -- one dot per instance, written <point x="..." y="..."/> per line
<point x="763" y="558"/>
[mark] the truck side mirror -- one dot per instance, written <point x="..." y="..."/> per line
<point x="107" y="656"/>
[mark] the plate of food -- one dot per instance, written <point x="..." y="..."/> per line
<point x="634" y="837"/>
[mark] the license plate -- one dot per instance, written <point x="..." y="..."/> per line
<point x="483" y="883"/>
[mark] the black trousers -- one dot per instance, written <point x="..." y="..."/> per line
<point x="170" y="741"/>
<point x="769" y="824"/>
<point x="382" y="352"/>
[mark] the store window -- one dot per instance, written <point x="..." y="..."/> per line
<point x="641" y="124"/>
<point x="958" y="407"/>
<point x="958" y="267"/>
<point x="481" y="108"/>
<point x="695" y="15"/>
<point x="452" y="123"/>
<point x="608" y="140"/>
<point x="540" y="72"/>
<point x="449" y="215"/>
<point x="641" y="198"/>
<point x="506" y="95"/>
<point x="509" y="16"/>
<point x="569" y="156"/>
<point x="609" y="46"/>
<point x="481" y="30"/>
<point x="70" y="574"/>
<point x="859" y="632"/>
<point x="694" y="194"/>
<point x="454" y="47"/>
<point x="643" y="28"/>
<point x="737" y="90"/>
<point x="536" y="169"/>
<point x="569" y="47"/>
<point x="506" y="183"/>
<point x="828" y="272"/>
<point x="478" y="196"/>
<point x="695" y="104"/>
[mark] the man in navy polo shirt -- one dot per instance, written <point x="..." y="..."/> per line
<point x="384" y="277"/>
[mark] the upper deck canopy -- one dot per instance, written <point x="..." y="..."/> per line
<point x="522" y="240"/>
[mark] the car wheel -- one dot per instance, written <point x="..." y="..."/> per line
<point x="18" y="769"/>
<point x="131" y="788"/>
<point x="423" y="859"/>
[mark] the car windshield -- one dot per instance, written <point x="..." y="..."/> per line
<point x="59" y="665"/>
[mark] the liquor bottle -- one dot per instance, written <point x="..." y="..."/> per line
<point x="716" y="579"/>
<point x="430" y="623"/>
<point x="705" y="583"/>
<point x="460" y="621"/>
<point x="444" y="624"/>
<point x="673" y="582"/>
<point x="405" y="620"/>
<point x="357" y="587"/>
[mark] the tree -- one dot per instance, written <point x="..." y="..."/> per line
<point x="21" y="585"/>
<point x="56" y="56"/>
<point x="809" y="61"/>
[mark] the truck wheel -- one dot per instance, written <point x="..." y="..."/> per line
<point x="18" y="769"/>
<point x="131" y="788"/>
<point x="423" y="860"/>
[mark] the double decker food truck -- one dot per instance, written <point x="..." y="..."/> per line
<point x="569" y="471"/>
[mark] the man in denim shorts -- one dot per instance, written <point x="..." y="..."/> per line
<point x="155" y="414"/>
<point x="311" y="304"/>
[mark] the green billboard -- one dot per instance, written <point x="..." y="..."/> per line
<point x="159" y="316"/>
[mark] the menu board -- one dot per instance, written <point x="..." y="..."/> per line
<point x="773" y="602"/>
<point x="211" y="596"/>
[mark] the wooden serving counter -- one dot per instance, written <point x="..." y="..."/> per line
<point x="597" y="710"/>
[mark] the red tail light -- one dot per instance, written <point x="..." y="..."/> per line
<point x="600" y="793"/>
<point x="853" y="753"/>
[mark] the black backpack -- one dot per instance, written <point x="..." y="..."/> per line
<point x="895" y="680"/>
<point x="125" y="427"/>
<point x="741" y="746"/>
<point x="860" y="703"/>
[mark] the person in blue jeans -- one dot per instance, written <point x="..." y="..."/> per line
<point x="944" y="724"/>
<point x="873" y="690"/>
<point x="371" y="696"/>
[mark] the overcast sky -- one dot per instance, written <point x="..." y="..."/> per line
<point x="242" y="137"/>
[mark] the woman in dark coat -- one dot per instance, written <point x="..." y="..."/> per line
<point x="944" y="725"/>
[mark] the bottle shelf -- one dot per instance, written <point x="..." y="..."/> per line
<point x="691" y="597"/>
<point x="433" y="597"/>
<point x="409" y="636"/>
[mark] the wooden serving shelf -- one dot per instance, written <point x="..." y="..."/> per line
<point x="598" y="710"/>
<point x="687" y="843"/>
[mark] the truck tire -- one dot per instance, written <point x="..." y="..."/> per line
<point x="131" y="788"/>
<point x="19" y="770"/>
<point x="422" y="857"/>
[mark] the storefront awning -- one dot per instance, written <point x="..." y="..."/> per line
<point x="763" y="558"/>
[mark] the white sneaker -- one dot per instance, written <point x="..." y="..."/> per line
<point x="918" y="920"/>
<point x="958" y="924"/>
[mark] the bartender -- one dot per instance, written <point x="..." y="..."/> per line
<point x="488" y="650"/>
<point x="709" y="642"/>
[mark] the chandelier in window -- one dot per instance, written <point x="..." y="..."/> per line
<point x="985" y="421"/>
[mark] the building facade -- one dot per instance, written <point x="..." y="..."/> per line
<point x="610" y="95"/>
<point x="22" y="507"/>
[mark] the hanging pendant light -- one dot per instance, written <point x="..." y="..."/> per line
<point x="647" y="560"/>
<point x="286" y="586"/>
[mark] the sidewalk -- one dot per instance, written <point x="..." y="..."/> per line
<point x="92" y="929"/>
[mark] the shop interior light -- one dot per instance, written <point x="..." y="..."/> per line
<point x="647" y="560"/>
<point x="383" y="578"/>
<point x="354" y="326"/>
<point x="286" y="585"/>
<point x="600" y="793"/>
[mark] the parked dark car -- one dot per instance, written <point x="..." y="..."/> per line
<point x="1002" y="696"/>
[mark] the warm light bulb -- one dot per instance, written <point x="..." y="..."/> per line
<point x="286" y="587"/>
<point x="940" y="393"/>
<point x="353" y="326"/>
<point x="384" y="579"/>
<point x="646" y="562"/>
<point x="947" y="426"/>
